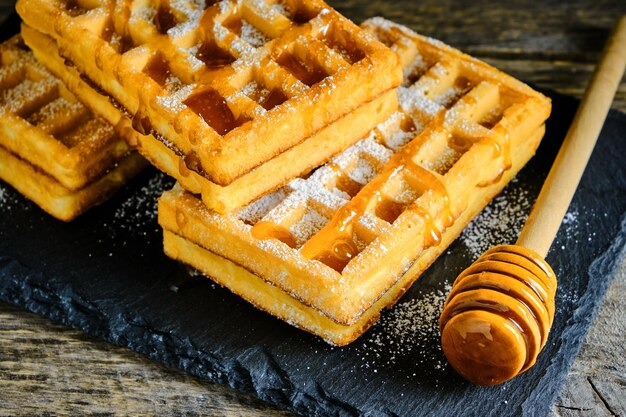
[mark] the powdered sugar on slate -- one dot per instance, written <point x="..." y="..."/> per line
<point x="409" y="330"/>
<point x="139" y="211"/>
<point x="500" y="222"/>
<point x="4" y="196"/>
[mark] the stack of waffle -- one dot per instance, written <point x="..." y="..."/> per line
<point x="236" y="99"/>
<point x="52" y="149"/>
<point x="232" y="100"/>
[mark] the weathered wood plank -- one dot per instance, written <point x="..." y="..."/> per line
<point x="597" y="381"/>
<point x="47" y="367"/>
<point x="552" y="30"/>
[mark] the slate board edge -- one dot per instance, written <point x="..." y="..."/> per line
<point x="605" y="265"/>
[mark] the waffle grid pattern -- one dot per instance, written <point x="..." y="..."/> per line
<point x="52" y="149"/>
<point x="267" y="177"/>
<point x="223" y="84"/>
<point x="44" y="124"/>
<point x="341" y="238"/>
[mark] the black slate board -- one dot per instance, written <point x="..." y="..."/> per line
<point x="106" y="275"/>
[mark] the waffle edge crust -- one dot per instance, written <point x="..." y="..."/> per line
<point x="228" y="87"/>
<point x="327" y="252"/>
<point x="52" y="149"/>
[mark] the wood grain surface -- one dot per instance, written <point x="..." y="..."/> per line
<point x="47" y="369"/>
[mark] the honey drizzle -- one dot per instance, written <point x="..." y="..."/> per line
<point x="341" y="227"/>
<point x="273" y="99"/>
<point x="213" y="56"/>
<point x="164" y="19"/>
<point x="158" y="69"/>
<point x="340" y="41"/>
<point x="212" y="107"/>
<point x="307" y="73"/>
<point x="120" y="24"/>
<point x="265" y="230"/>
<point x="124" y="129"/>
<point x="503" y="151"/>
<point x="343" y="182"/>
<point x="141" y="122"/>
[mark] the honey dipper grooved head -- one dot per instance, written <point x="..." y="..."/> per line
<point x="497" y="317"/>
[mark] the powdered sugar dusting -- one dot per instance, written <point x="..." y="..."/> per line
<point x="52" y="110"/>
<point x="139" y="211"/>
<point x="25" y="92"/>
<point x="4" y="197"/>
<point x="254" y="211"/>
<point x="11" y="200"/>
<point x="409" y="330"/>
<point x="309" y="224"/>
<point x="500" y="222"/>
<point x="251" y="35"/>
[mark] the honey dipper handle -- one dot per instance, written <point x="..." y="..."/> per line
<point x="562" y="181"/>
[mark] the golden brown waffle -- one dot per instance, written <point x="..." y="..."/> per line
<point x="267" y="177"/>
<point x="227" y="87"/>
<point x="52" y="149"/>
<point x="351" y="238"/>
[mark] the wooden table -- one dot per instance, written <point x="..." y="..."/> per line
<point x="46" y="368"/>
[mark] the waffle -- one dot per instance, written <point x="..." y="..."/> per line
<point x="263" y="179"/>
<point x="350" y="239"/>
<point x="228" y="87"/>
<point x="52" y="149"/>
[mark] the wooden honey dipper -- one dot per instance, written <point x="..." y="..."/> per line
<point x="498" y="315"/>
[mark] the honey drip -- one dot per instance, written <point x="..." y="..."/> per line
<point x="212" y="107"/>
<point x="307" y="73"/>
<point x="389" y="210"/>
<point x="341" y="252"/>
<point x="193" y="162"/>
<point x="341" y="42"/>
<point x="124" y="129"/>
<point x="503" y="152"/>
<point x="432" y="235"/>
<point x="343" y="182"/>
<point x="164" y="19"/>
<point x="181" y="219"/>
<point x="183" y="170"/>
<point x="274" y="98"/>
<point x="141" y="123"/>
<point x="158" y="69"/>
<point x="267" y="230"/>
<point x="334" y="244"/>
